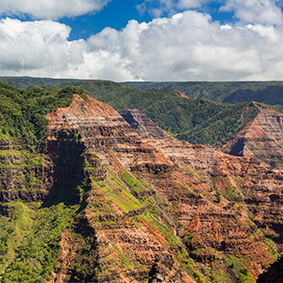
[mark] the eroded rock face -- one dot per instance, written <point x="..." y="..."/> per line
<point x="179" y="93"/>
<point x="181" y="182"/>
<point x="21" y="173"/>
<point x="157" y="210"/>
<point x="262" y="137"/>
<point x="120" y="242"/>
<point x="142" y="124"/>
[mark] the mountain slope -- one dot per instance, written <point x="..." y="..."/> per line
<point x="28" y="82"/>
<point x="117" y="207"/>
<point x="228" y="92"/>
<point x="261" y="137"/>
<point x="142" y="124"/>
<point x="196" y="121"/>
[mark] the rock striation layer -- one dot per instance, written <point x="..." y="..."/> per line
<point x="142" y="124"/>
<point x="154" y="210"/>
<point x="182" y="182"/>
<point x="261" y="137"/>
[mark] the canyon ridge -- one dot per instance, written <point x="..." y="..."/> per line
<point x="101" y="203"/>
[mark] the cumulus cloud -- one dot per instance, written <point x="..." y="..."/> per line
<point x="159" y="8"/>
<point x="38" y="47"/>
<point x="187" y="46"/>
<point x="255" y="11"/>
<point x="250" y="11"/>
<point x="51" y="9"/>
<point x="190" y="46"/>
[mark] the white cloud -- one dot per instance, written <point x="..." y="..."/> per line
<point x="255" y="11"/>
<point x="190" y="46"/>
<point x="187" y="46"/>
<point x="188" y="4"/>
<point x="159" y="8"/>
<point x="50" y="9"/>
<point x="249" y="11"/>
<point x="39" y="46"/>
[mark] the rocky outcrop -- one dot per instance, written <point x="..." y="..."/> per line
<point x="180" y="94"/>
<point x="21" y="173"/>
<point x="261" y="137"/>
<point x="142" y="124"/>
<point x="108" y="139"/>
<point x="155" y="210"/>
<point x="185" y="180"/>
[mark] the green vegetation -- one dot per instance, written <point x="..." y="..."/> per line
<point x="14" y="227"/>
<point x="245" y="276"/>
<point x="229" y="269"/>
<point x="133" y="183"/>
<point x="229" y="92"/>
<point x="36" y="236"/>
<point x="196" y="121"/>
<point x="29" y="82"/>
<point x="217" y="124"/>
<point x="30" y="232"/>
<point x="232" y="194"/>
<point x="119" y="195"/>
<point x="22" y="112"/>
<point x="271" y="248"/>
<point x="218" y="195"/>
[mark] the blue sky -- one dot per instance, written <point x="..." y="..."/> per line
<point x="152" y="40"/>
<point x="116" y="14"/>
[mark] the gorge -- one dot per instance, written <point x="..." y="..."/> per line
<point x="100" y="203"/>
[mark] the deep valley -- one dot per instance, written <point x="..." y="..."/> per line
<point x="86" y="196"/>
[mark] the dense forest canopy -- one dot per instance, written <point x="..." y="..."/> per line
<point x="22" y="112"/>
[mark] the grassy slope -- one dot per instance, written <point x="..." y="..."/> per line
<point x="22" y="112"/>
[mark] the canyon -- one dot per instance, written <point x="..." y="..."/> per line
<point x="261" y="137"/>
<point x="128" y="208"/>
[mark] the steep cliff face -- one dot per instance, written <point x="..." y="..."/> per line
<point x="146" y="210"/>
<point x="262" y="137"/>
<point x="142" y="124"/>
<point x="21" y="174"/>
<point x="129" y="247"/>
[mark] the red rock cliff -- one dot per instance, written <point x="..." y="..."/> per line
<point x="164" y="210"/>
<point x="262" y="137"/>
